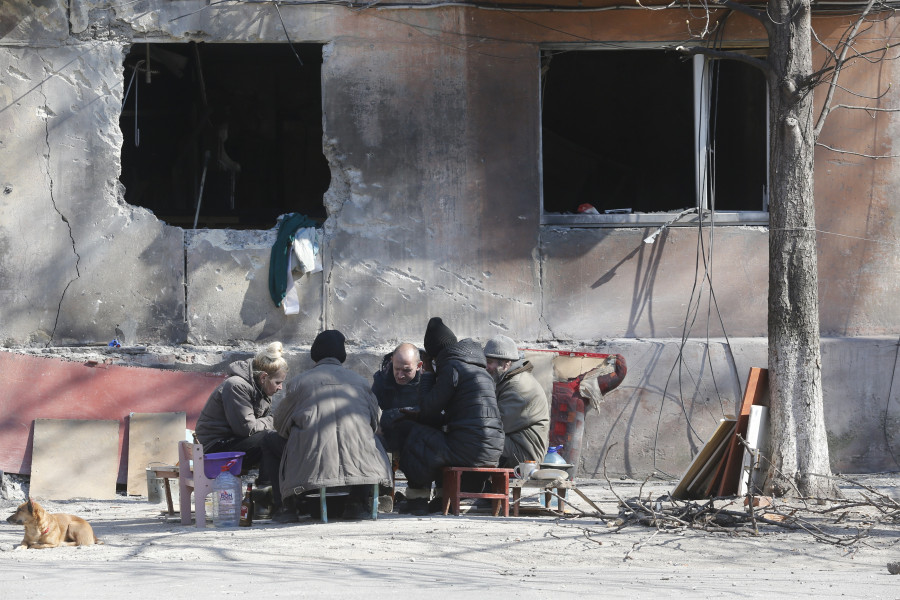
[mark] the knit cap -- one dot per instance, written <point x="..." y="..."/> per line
<point x="502" y="347"/>
<point x="437" y="337"/>
<point x="328" y="344"/>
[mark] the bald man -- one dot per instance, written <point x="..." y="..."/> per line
<point x="396" y="386"/>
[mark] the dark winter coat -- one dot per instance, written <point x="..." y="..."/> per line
<point x="459" y="398"/>
<point x="391" y="398"/>
<point x="238" y="408"/>
<point x="392" y="395"/>
<point x="329" y="417"/>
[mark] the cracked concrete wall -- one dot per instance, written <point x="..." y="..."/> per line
<point x="635" y="290"/>
<point x="430" y="212"/>
<point x="228" y="291"/>
<point x="76" y="261"/>
<point x="435" y="196"/>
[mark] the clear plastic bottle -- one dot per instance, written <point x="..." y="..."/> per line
<point x="227" y="494"/>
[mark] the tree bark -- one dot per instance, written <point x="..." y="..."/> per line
<point x="799" y="440"/>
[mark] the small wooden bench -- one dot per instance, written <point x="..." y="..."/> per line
<point x="499" y="493"/>
<point x="166" y="472"/>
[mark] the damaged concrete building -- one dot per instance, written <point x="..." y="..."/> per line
<point x="148" y="149"/>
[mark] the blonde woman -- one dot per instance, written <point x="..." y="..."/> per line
<point x="237" y="415"/>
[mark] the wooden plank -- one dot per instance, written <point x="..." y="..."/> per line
<point x="152" y="441"/>
<point x="757" y="385"/>
<point x="716" y="481"/>
<point x="699" y="465"/>
<point x="702" y="481"/>
<point x="74" y="459"/>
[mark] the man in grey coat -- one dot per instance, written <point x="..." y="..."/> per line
<point x="329" y="417"/>
<point x="523" y="404"/>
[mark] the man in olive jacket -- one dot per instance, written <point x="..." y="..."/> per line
<point x="522" y="402"/>
<point x="458" y="421"/>
<point x="329" y="417"/>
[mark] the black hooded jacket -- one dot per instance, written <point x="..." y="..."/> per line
<point x="461" y="398"/>
<point x="461" y="394"/>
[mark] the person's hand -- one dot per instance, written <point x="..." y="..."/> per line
<point x="387" y="362"/>
<point x="410" y="412"/>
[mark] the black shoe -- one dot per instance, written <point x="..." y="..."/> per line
<point x="436" y="505"/>
<point x="417" y="507"/>
<point x="262" y="500"/>
<point x="355" y="511"/>
<point x="483" y="504"/>
<point x="285" y="515"/>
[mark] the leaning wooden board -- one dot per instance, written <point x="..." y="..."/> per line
<point x="705" y="460"/>
<point x="152" y="441"/>
<point x="74" y="459"/>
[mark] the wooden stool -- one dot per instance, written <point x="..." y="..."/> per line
<point x="499" y="488"/>
<point x="323" y="506"/>
<point x="166" y="472"/>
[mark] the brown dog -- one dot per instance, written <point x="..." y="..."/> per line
<point x="49" y="530"/>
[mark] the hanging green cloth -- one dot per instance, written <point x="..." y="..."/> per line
<point x="281" y="254"/>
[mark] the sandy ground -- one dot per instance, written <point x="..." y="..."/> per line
<point x="147" y="555"/>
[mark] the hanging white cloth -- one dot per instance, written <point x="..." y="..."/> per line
<point x="304" y="260"/>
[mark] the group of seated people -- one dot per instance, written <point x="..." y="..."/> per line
<point x="455" y="403"/>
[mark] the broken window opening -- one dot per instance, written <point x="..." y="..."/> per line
<point x="640" y="134"/>
<point x="240" y="122"/>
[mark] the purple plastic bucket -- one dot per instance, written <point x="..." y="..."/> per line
<point x="213" y="463"/>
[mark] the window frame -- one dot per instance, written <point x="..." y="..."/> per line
<point x="701" y="85"/>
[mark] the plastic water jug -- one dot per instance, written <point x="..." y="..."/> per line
<point x="553" y="458"/>
<point x="227" y="495"/>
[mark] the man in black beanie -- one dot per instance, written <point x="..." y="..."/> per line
<point x="329" y="417"/>
<point x="328" y="344"/>
<point x="437" y="337"/>
<point x="458" y="423"/>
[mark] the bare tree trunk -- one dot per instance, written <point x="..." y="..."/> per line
<point x="800" y="444"/>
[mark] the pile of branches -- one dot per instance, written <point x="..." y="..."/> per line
<point x="825" y="520"/>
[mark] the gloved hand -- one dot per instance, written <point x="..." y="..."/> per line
<point x="409" y="412"/>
